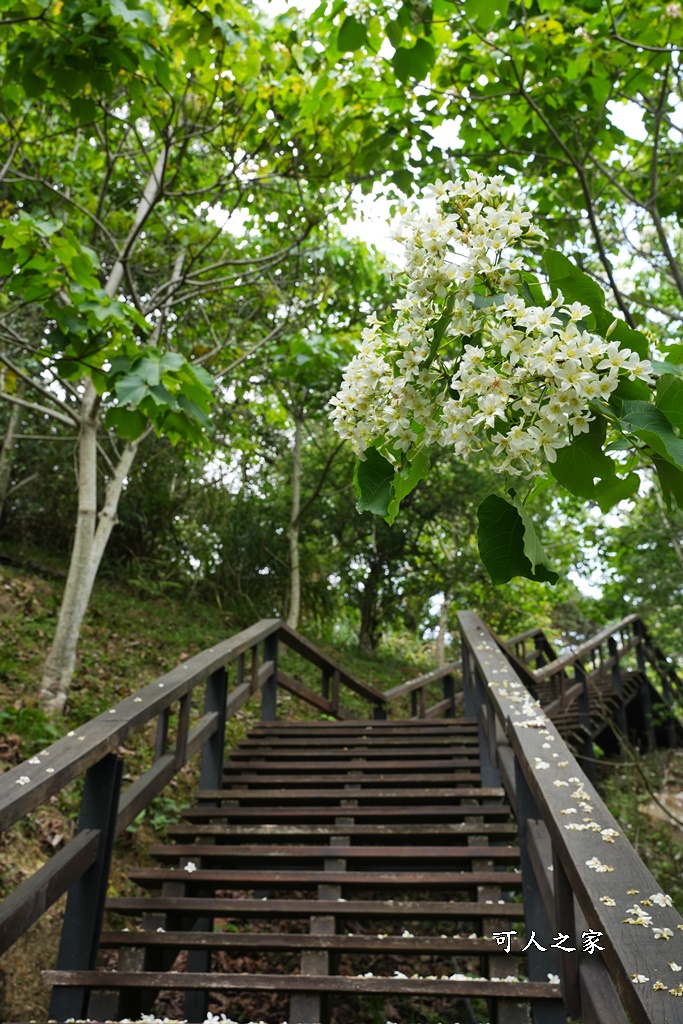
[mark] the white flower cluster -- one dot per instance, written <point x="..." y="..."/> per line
<point x="470" y="361"/>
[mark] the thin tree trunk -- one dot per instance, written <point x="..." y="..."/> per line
<point x="370" y="632"/>
<point x="93" y="531"/>
<point x="7" y="454"/>
<point x="293" y="532"/>
<point x="440" y="649"/>
<point x="90" y="541"/>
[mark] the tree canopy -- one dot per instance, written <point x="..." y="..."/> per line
<point x="178" y="300"/>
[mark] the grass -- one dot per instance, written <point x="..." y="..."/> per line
<point x="625" y="788"/>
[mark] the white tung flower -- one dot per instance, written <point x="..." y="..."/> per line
<point x="661" y="899"/>
<point x="597" y="865"/>
<point x="523" y="392"/>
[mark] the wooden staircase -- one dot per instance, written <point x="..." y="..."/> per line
<point x="365" y="867"/>
<point x="342" y="868"/>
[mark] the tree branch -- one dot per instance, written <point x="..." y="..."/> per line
<point x="34" y="407"/>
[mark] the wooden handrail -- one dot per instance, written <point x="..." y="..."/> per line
<point x="587" y="647"/>
<point x="296" y="642"/>
<point x="421" y="681"/>
<point x="530" y="634"/>
<point x="69" y="757"/>
<point x="84" y="750"/>
<point x="521" y="746"/>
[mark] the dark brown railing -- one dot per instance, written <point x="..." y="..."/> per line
<point x="421" y="691"/>
<point x="94" y="751"/>
<point x="190" y="705"/>
<point x="576" y="881"/>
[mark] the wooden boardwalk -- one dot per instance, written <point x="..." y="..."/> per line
<point x="412" y="869"/>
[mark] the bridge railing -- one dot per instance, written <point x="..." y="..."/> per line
<point x="188" y="708"/>
<point x="582" y="879"/>
<point x="432" y="695"/>
<point x="588" y="677"/>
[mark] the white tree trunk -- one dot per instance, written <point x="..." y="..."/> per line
<point x="7" y="453"/>
<point x="90" y="541"/>
<point x="93" y="531"/>
<point x="442" y="630"/>
<point x="293" y="532"/>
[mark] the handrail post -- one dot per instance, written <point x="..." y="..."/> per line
<point x="269" y="689"/>
<point x="536" y="918"/>
<point x="470" y="703"/>
<point x="617" y="687"/>
<point x="449" y="694"/>
<point x="325" y="682"/>
<point x="565" y="918"/>
<point x="161" y="738"/>
<point x="584" y="710"/>
<point x="644" y="686"/>
<point x="211" y="771"/>
<point x="539" y="644"/>
<point x="488" y="744"/>
<point x="80" y="938"/>
<point x="334" y="696"/>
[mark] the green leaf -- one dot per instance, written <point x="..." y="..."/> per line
<point x="440" y="326"/>
<point x="660" y="366"/>
<point x="148" y="370"/>
<point x="650" y="424"/>
<point x="130" y="390"/>
<point x="405" y="480"/>
<point x="671" y="480"/>
<point x="531" y="289"/>
<point x="628" y="338"/>
<point x="584" y="469"/>
<point x="352" y="35"/>
<point x="193" y="410"/>
<point x="83" y="109"/>
<point x="394" y="32"/>
<point x="202" y="376"/>
<point x="580" y="462"/>
<point x="674" y="353"/>
<point x="576" y="286"/>
<point x="413" y="62"/>
<point x="670" y="398"/>
<point x="508" y="544"/>
<point x="373" y="478"/>
<point x="485" y="12"/>
<point x="402" y="179"/>
<point x="171" y="361"/>
<point x="631" y="391"/>
<point x="128" y="423"/>
<point x="611" y="491"/>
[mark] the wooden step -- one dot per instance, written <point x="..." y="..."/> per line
<point x="288" y="941"/>
<point x="344" y="845"/>
<point x="267" y="779"/>
<point x="369" y="832"/>
<point x="425" y="812"/>
<point x="273" y="879"/>
<point x="281" y="852"/>
<point x="423" y="766"/>
<point x="309" y="983"/>
<point x="404" y="910"/>
<point x="310" y="796"/>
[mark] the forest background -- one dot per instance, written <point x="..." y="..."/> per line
<point x="182" y="287"/>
